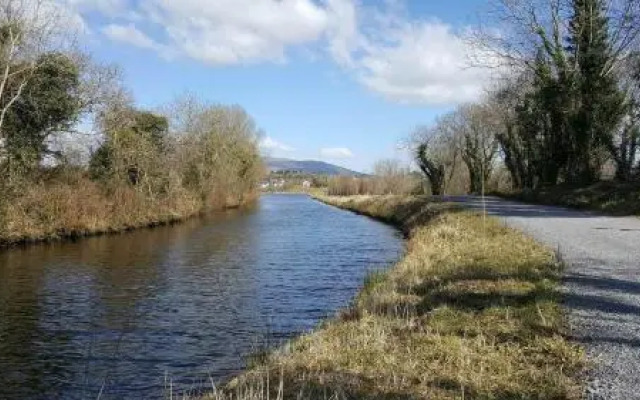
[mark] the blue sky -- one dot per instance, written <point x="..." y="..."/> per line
<point x="338" y="80"/>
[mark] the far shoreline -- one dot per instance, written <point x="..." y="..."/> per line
<point x="78" y="235"/>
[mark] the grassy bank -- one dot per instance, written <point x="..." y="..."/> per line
<point x="614" y="198"/>
<point x="77" y="206"/>
<point x="470" y="312"/>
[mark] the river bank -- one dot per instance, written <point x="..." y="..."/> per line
<point x="471" y="311"/>
<point x="82" y="208"/>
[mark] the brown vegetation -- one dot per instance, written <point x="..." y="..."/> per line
<point x="133" y="183"/>
<point x="53" y="210"/>
<point x="389" y="177"/>
<point x="149" y="167"/>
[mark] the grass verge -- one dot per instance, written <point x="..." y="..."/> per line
<point x="471" y="312"/>
<point x="613" y="198"/>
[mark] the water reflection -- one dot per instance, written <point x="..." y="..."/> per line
<point x="123" y="315"/>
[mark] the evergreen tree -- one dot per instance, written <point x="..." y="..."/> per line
<point x="49" y="104"/>
<point x="599" y="102"/>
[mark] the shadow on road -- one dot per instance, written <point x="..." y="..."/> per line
<point x="606" y="339"/>
<point x="601" y="304"/>
<point x="603" y="283"/>
<point x="502" y="208"/>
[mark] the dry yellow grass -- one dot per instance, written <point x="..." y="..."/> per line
<point x="471" y="312"/>
<point x="58" y="209"/>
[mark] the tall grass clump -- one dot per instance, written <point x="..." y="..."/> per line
<point x="472" y="311"/>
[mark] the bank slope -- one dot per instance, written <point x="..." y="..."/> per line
<point x="58" y="211"/>
<point x="470" y="312"/>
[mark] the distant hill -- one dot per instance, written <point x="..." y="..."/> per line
<point x="307" y="167"/>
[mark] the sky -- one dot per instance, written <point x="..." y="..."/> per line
<point x="343" y="81"/>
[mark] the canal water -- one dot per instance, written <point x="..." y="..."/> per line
<point x="133" y="315"/>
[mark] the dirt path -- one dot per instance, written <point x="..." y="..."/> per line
<point x="602" y="284"/>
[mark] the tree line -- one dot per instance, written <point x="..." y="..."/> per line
<point x="564" y="109"/>
<point x="138" y="166"/>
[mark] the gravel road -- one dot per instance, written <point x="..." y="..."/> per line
<point x="602" y="285"/>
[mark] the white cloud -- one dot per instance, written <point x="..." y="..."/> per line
<point x="428" y="63"/>
<point x="129" y="34"/>
<point x="270" y="144"/>
<point x="336" y="153"/>
<point x="342" y="31"/>
<point x="407" y="60"/>
<point x="401" y="57"/>
<point x="220" y="32"/>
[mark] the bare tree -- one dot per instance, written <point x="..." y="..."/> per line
<point x="391" y="177"/>
<point x="513" y="32"/>
<point x="624" y="143"/>
<point x="504" y="101"/>
<point x="216" y="147"/>
<point x="431" y="169"/>
<point x="436" y="153"/>
<point x="475" y="125"/>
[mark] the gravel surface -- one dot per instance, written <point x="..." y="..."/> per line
<point x="602" y="285"/>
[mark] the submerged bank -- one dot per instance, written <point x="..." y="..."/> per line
<point x="471" y="311"/>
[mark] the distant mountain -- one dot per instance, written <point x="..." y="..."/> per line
<point x="307" y="167"/>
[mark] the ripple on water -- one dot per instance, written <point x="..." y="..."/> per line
<point x="128" y="313"/>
